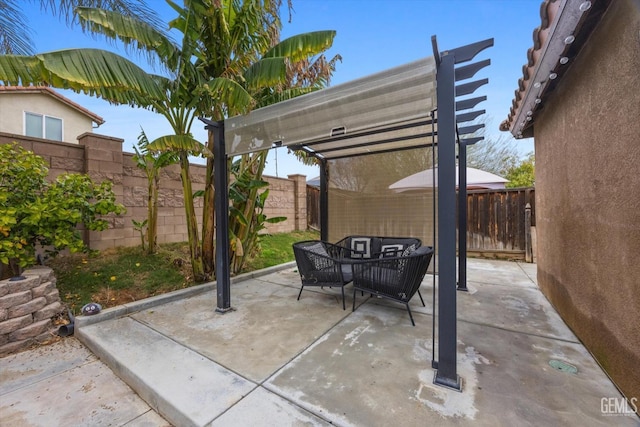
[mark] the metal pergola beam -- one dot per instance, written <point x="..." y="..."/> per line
<point x="392" y="150"/>
<point x="349" y="136"/>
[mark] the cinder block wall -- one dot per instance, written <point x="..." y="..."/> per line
<point x="102" y="158"/>
<point x="171" y="217"/>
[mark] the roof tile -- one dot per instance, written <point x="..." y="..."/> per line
<point x="550" y="12"/>
<point x="49" y="91"/>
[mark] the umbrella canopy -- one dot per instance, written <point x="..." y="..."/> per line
<point x="314" y="182"/>
<point x="476" y="179"/>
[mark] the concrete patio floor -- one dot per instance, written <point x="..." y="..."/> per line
<point x="278" y="361"/>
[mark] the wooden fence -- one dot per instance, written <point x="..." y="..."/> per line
<point x="496" y="221"/>
<point x="313" y="207"/>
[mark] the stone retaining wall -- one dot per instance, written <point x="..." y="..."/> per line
<point x="27" y="308"/>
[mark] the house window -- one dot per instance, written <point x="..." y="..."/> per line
<point x="41" y="126"/>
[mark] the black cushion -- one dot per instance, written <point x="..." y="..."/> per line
<point x="422" y="250"/>
<point x="363" y="247"/>
<point x="400" y="241"/>
<point x="347" y="273"/>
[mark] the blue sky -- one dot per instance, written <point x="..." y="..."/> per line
<point x="372" y="35"/>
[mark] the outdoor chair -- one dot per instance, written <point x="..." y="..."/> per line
<point x="319" y="264"/>
<point x="397" y="278"/>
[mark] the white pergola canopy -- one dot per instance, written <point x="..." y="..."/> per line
<point x="385" y="111"/>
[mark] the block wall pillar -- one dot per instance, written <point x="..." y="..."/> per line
<point x="104" y="162"/>
<point x="300" y="200"/>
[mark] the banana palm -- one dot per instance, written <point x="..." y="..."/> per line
<point x="120" y="81"/>
<point x="241" y="52"/>
<point x="151" y="162"/>
<point x="226" y="62"/>
<point x="15" y="36"/>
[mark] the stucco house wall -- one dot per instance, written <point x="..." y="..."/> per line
<point x="14" y="104"/>
<point x="587" y="147"/>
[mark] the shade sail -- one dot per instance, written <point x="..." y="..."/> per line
<point x="476" y="179"/>
<point x="384" y="111"/>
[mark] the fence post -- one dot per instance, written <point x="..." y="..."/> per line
<point x="528" y="247"/>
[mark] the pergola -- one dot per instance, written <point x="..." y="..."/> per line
<point x="407" y="107"/>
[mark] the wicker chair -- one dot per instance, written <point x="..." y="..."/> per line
<point x="319" y="265"/>
<point x="397" y="278"/>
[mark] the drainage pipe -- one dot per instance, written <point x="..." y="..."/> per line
<point x="67" y="330"/>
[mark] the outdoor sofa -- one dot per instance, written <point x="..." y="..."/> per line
<point x="327" y="264"/>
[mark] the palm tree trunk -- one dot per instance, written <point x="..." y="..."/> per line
<point x="152" y="214"/>
<point x="208" y="216"/>
<point x="192" y="222"/>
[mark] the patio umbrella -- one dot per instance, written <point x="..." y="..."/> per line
<point x="476" y="179"/>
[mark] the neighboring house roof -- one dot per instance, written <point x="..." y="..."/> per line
<point x="48" y="91"/>
<point x="314" y="182"/>
<point x="564" y="29"/>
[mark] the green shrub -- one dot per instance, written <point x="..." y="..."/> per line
<point x="35" y="212"/>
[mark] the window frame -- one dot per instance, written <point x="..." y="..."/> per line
<point x="43" y="123"/>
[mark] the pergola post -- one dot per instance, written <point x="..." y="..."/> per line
<point x="221" y="199"/>
<point x="446" y="373"/>
<point x="324" y="201"/>
<point x="462" y="207"/>
<point x="462" y="216"/>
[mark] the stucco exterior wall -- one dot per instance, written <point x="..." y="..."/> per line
<point x="14" y="105"/>
<point x="587" y="144"/>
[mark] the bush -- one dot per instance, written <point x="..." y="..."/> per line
<point x="35" y="212"/>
